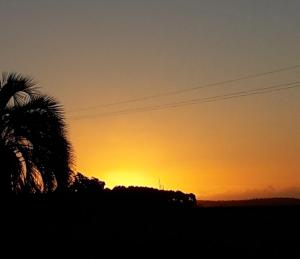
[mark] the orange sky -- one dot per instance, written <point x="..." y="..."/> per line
<point x="207" y="154"/>
<point x="92" y="53"/>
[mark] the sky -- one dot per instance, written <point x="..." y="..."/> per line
<point x="92" y="53"/>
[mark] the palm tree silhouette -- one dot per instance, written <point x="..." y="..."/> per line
<point x="35" y="155"/>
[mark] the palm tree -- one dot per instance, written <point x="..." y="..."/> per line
<point x="35" y="155"/>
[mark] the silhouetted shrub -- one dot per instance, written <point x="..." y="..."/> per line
<point x="84" y="184"/>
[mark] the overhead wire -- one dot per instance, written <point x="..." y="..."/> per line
<point x="185" y="90"/>
<point x="237" y="94"/>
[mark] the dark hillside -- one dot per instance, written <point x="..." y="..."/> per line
<point x="89" y="226"/>
<point x="252" y="202"/>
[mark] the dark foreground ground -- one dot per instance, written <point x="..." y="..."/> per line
<point x="90" y="228"/>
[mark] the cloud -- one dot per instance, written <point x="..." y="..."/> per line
<point x="268" y="192"/>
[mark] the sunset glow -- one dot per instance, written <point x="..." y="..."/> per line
<point x="96" y="56"/>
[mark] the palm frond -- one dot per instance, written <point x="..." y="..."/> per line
<point x="13" y="85"/>
<point x="33" y="136"/>
<point x="41" y="122"/>
<point x="12" y="168"/>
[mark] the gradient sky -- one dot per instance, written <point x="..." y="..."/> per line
<point x="87" y="53"/>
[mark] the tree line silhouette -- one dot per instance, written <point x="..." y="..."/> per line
<point x="138" y="195"/>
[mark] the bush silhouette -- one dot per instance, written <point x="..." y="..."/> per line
<point x="83" y="184"/>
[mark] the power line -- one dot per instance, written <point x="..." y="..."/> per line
<point x="175" y="92"/>
<point x="257" y="91"/>
<point x="189" y="102"/>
